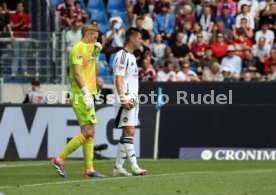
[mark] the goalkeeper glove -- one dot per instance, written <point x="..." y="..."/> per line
<point x="88" y="99"/>
<point x="98" y="48"/>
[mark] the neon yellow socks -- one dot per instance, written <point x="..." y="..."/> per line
<point x="72" y="145"/>
<point x="88" y="153"/>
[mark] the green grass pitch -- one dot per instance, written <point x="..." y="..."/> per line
<point x="165" y="177"/>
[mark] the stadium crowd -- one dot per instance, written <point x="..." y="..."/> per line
<point x="185" y="40"/>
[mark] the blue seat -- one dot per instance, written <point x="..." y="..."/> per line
<point x="123" y="16"/>
<point x="82" y="5"/>
<point x="115" y="6"/>
<point x="103" y="73"/>
<point x="95" y="5"/>
<point x="101" y="19"/>
<point x="54" y="4"/>
<point x="112" y="56"/>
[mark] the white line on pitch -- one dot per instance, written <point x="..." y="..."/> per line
<point x="46" y="163"/>
<point x="104" y="179"/>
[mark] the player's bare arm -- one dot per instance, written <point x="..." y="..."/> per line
<point x="119" y="86"/>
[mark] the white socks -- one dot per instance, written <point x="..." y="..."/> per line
<point x="121" y="156"/>
<point x="126" y="149"/>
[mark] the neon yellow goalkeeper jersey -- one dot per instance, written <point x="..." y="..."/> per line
<point x="83" y="54"/>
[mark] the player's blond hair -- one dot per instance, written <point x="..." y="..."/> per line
<point x="89" y="27"/>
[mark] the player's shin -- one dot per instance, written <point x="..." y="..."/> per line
<point x="130" y="151"/>
<point x="72" y="145"/>
<point x="88" y="153"/>
<point x="121" y="155"/>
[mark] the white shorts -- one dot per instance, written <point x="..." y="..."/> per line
<point x="127" y="117"/>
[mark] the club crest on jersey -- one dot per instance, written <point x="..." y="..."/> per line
<point x="132" y="63"/>
<point x="93" y="117"/>
<point x="125" y="119"/>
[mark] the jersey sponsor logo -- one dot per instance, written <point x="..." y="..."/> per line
<point x="93" y="117"/>
<point x="79" y="57"/>
<point x="125" y="119"/>
<point x="120" y="67"/>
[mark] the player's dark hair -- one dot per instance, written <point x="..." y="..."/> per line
<point x="130" y="32"/>
<point x="35" y="83"/>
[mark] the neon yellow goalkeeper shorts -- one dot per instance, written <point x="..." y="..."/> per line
<point x="84" y="116"/>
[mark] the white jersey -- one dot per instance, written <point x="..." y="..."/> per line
<point x="124" y="64"/>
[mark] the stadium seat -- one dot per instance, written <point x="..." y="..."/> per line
<point x="103" y="72"/>
<point x="112" y="56"/>
<point x="100" y="17"/>
<point x="115" y="6"/>
<point x="123" y="16"/>
<point x="54" y="4"/>
<point x="95" y="5"/>
<point x="82" y="5"/>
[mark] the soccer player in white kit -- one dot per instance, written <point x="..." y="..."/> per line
<point x="126" y="82"/>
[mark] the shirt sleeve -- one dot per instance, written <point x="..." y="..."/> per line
<point x="76" y="57"/>
<point x="120" y="64"/>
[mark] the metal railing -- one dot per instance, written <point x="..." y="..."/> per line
<point x="37" y="55"/>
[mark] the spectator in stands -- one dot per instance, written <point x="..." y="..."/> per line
<point x="144" y="32"/>
<point x="146" y="72"/>
<point x="20" y="24"/>
<point x="157" y="48"/>
<point x="198" y="48"/>
<point x="167" y="74"/>
<point x="139" y="6"/>
<point x="241" y="43"/>
<point x="232" y="7"/>
<point x="101" y="96"/>
<point x="185" y="74"/>
<point x="185" y="15"/>
<point x="186" y="29"/>
<point x="265" y="5"/>
<point x="228" y="34"/>
<point x="116" y="35"/>
<point x="254" y="8"/>
<point x="197" y="29"/>
<point x="268" y="14"/>
<point x="73" y="36"/>
<point x="147" y="22"/>
<point x="261" y="50"/>
<point x="207" y="20"/>
<point x="140" y="53"/>
<point x="35" y="96"/>
<point x="158" y="6"/>
<point x="164" y="23"/>
<point x="231" y="63"/>
<point x="168" y="56"/>
<point x="219" y="47"/>
<point x="247" y="29"/>
<point x="179" y="49"/>
<point x="270" y="62"/>
<point x="265" y="32"/>
<point x="251" y="67"/>
<point x="178" y="7"/>
<point x="228" y="20"/>
<point x="207" y="60"/>
<point x="79" y="14"/>
<point x="65" y="10"/>
<point x="212" y="74"/>
<point x="245" y="14"/>
<point x="101" y="38"/>
<point x="9" y="5"/>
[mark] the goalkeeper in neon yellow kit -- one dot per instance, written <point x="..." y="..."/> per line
<point x="83" y="60"/>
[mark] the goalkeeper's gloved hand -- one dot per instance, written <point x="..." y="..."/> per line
<point x="98" y="48"/>
<point x="88" y="99"/>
